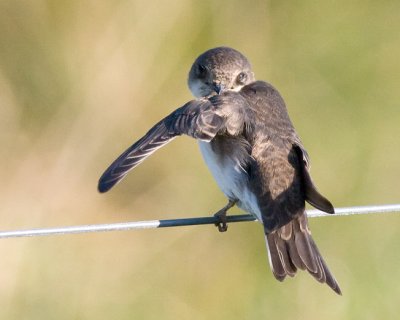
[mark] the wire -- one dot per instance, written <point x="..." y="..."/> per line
<point x="152" y="224"/>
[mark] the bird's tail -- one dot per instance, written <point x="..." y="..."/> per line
<point x="291" y="247"/>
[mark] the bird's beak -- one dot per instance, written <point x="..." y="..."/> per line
<point x="218" y="88"/>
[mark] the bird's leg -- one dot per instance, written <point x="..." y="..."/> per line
<point x="221" y="215"/>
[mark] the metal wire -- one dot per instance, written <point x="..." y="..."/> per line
<point x="152" y="224"/>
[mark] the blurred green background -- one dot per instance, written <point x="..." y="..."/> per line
<point x="81" y="80"/>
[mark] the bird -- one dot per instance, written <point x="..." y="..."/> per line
<point x="256" y="157"/>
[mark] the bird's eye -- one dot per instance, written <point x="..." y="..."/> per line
<point x="201" y="70"/>
<point x="241" y="78"/>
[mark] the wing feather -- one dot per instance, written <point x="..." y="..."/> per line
<point x="197" y="119"/>
<point x="312" y="194"/>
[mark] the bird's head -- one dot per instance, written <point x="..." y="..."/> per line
<point x="218" y="70"/>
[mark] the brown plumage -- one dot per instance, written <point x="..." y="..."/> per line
<point x="252" y="150"/>
<point x="291" y="247"/>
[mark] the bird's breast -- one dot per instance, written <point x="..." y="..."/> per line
<point x="227" y="159"/>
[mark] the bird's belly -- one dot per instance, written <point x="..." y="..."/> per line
<point x="231" y="178"/>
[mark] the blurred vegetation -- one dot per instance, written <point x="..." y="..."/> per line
<point x="81" y="80"/>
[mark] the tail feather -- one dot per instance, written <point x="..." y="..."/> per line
<point x="291" y="247"/>
<point x="303" y="244"/>
<point x="294" y="254"/>
<point x="328" y="278"/>
<point x="275" y="261"/>
<point x="288" y="265"/>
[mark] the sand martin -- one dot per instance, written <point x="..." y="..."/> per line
<point x="254" y="153"/>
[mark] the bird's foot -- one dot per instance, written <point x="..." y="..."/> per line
<point x="222" y="223"/>
<point x="221" y="215"/>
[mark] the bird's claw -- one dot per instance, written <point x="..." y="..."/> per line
<point x="222" y="223"/>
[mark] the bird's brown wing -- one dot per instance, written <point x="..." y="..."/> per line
<point x="196" y="118"/>
<point x="280" y="180"/>
<point x="287" y="186"/>
<point x="313" y="197"/>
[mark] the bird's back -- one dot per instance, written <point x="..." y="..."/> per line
<point x="275" y="174"/>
